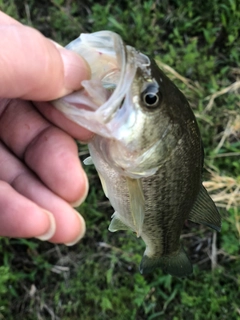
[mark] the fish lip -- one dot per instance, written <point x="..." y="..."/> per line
<point x="102" y="112"/>
<point x="97" y="120"/>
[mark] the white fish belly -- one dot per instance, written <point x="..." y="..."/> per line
<point x="114" y="186"/>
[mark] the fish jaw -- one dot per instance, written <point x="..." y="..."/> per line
<point x="113" y="67"/>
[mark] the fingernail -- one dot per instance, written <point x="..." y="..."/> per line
<point x="83" y="197"/>
<point x="52" y="228"/>
<point x="57" y="45"/>
<point x="82" y="232"/>
<point x="76" y="70"/>
<point x="86" y="136"/>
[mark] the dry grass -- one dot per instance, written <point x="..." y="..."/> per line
<point x="175" y="75"/>
<point x="230" y="133"/>
<point x="225" y="191"/>
<point x="234" y="87"/>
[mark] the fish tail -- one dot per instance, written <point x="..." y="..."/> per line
<point x="177" y="264"/>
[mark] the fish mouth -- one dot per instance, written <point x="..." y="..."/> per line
<point x="113" y="66"/>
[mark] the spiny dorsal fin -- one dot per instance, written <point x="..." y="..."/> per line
<point x="137" y="204"/>
<point x="176" y="264"/>
<point x="204" y="211"/>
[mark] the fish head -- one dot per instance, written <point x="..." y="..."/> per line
<point x="136" y="112"/>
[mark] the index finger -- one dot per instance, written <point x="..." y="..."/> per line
<point x="6" y="20"/>
<point x="33" y="68"/>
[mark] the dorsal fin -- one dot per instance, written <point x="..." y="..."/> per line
<point x="204" y="211"/>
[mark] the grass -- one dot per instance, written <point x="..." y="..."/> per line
<point x="198" y="45"/>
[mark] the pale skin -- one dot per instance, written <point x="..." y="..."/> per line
<point x="41" y="177"/>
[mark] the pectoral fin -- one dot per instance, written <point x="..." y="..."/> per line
<point x="205" y="212"/>
<point x="104" y="185"/>
<point x="116" y="224"/>
<point x="88" y="161"/>
<point x="177" y="264"/>
<point x="137" y="204"/>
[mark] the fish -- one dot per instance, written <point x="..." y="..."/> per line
<point x="147" y="148"/>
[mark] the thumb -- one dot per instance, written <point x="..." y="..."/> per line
<point x="33" y="67"/>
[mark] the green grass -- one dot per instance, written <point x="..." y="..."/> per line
<point x="98" y="278"/>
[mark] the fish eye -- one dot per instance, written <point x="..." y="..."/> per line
<point x="151" y="99"/>
<point x="151" y="96"/>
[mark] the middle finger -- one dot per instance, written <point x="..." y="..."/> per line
<point x="48" y="151"/>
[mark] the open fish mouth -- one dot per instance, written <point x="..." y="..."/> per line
<point x="113" y="66"/>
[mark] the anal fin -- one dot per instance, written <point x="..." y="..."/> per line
<point x="204" y="211"/>
<point x="176" y="264"/>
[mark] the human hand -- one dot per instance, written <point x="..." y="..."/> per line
<point x="41" y="177"/>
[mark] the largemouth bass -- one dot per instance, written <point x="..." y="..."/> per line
<point x="147" y="148"/>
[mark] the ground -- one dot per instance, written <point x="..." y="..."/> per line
<point x="197" y="44"/>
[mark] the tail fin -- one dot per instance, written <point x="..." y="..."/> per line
<point x="177" y="264"/>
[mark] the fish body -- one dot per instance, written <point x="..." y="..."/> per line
<point x="147" y="149"/>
